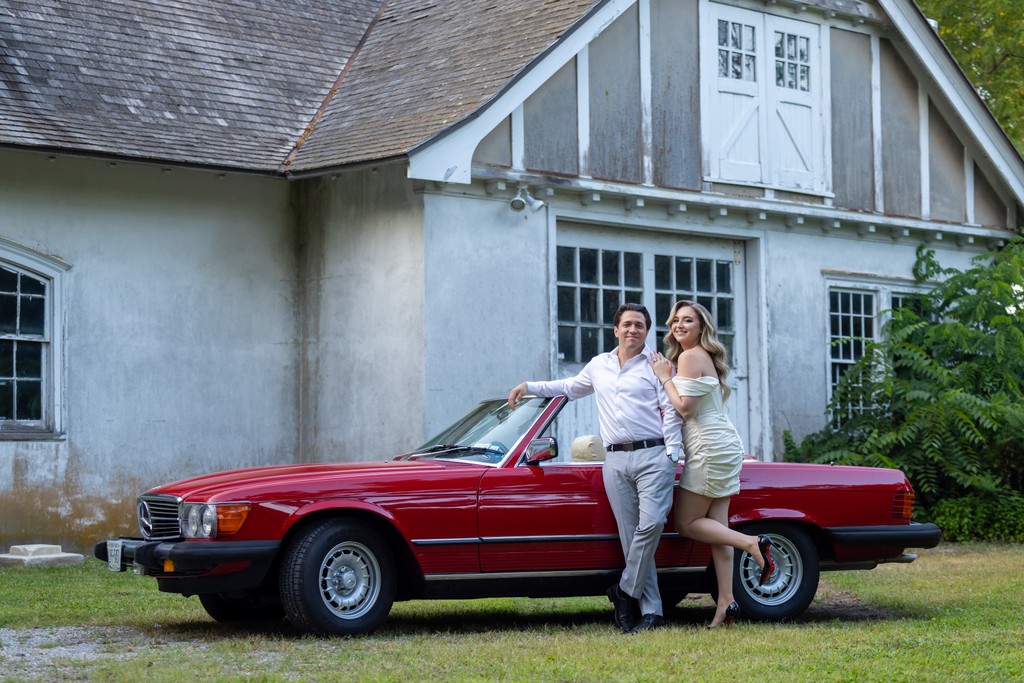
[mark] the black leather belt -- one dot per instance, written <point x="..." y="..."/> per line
<point x="636" y="445"/>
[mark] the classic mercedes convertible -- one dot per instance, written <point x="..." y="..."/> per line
<point x="490" y="507"/>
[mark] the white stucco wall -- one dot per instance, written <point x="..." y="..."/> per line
<point x="363" y="274"/>
<point x="178" y="339"/>
<point x="487" y="301"/>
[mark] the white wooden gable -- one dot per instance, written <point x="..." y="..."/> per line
<point x="773" y="131"/>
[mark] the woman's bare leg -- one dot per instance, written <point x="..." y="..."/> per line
<point x="723" y="556"/>
<point x="694" y="519"/>
<point x="706" y="520"/>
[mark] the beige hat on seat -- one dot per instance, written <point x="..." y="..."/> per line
<point x="587" y="449"/>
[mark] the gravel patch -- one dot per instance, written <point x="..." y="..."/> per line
<point x="52" y="653"/>
<point x="56" y="653"/>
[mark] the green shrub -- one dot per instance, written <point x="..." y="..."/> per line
<point x="978" y="517"/>
<point x="941" y="397"/>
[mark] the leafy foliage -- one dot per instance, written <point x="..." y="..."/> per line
<point x="941" y="396"/>
<point x="986" y="38"/>
<point x="981" y="517"/>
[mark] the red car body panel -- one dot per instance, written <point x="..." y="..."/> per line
<point x="496" y="522"/>
<point x="462" y="518"/>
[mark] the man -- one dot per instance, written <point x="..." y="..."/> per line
<point x="642" y="434"/>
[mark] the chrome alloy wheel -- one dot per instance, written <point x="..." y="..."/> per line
<point x="784" y="582"/>
<point x="350" y="580"/>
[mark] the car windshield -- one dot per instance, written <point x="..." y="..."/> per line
<point x="486" y="434"/>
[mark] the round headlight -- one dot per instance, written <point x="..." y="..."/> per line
<point x="192" y="521"/>
<point x="209" y="521"/>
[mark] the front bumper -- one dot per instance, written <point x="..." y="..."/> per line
<point x="911" y="535"/>
<point x="192" y="567"/>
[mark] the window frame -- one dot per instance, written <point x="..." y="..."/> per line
<point x="50" y="270"/>
<point x="600" y="325"/>
<point x="769" y="172"/>
<point x="717" y="251"/>
<point x="884" y="290"/>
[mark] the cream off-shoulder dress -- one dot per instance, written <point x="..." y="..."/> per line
<point x="713" y="448"/>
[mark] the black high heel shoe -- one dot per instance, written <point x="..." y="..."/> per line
<point x="764" y="544"/>
<point x="731" y="612"/>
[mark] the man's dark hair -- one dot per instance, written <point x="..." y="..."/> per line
<point x="632" y="307"/>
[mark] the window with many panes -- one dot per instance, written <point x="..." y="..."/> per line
<point x="599" y="268"/>
<point x="708" y="282"/>
<point x="851" y="316"/>
<point x="23" y="346"/>
<point x="792" y="61"/>
<point x="737" y="55"/>
<point x="592" y="284"/>
<point x="855" y="310"/>
<point x="737" y="50"/>
<point x="30" y="343"/>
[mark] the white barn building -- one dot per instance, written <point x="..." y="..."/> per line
<point x="237" y="234"/>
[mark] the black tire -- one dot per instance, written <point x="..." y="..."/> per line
<point x="233" y="608"/>
<point x="791" y="587"/>
<point x="338" y="578"/>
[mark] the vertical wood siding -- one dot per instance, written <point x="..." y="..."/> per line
<point x="551" y="124"/>
<point x="946" y="168"/>
<point x="901" y="149"/>
<point x="989" y="209"/>
<point x="853" y="173"/>
<point x="675" y="80"/>
<point x="496" y="148"/>
<point x="615" y="114"/>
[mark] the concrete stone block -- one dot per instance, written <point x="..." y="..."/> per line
<point x="39" y="555"/>
<point x="34" y="549"/>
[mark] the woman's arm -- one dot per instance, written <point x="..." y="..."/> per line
<point x="684" y="405"/>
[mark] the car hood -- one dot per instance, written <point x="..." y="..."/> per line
<point x="254" y="480"/>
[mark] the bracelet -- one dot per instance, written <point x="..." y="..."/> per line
<point x="665" y="381"/>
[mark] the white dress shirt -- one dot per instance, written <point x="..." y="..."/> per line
<point x="631" y="403"/>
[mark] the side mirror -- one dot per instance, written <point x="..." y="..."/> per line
<point x="539" y="450"/>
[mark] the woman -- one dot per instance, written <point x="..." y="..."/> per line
<point x="714" y="452"/>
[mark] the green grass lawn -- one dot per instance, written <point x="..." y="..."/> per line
<point x="954" y="615"/>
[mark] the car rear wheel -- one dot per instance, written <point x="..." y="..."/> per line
<point x="235" y="607"/>
<point x="338" y="578"/>
<point x="791" y="587"/>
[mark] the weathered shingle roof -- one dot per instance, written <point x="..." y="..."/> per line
<point x="426" y="65"/>
<point x="241" y="83"/>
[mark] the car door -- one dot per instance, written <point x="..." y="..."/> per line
<point x="555" y="517"/>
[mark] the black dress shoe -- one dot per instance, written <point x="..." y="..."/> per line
<point x="649" y="622"/>
<point x="626" y="607"/>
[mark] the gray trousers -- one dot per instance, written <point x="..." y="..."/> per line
<point x="639" y="487"/>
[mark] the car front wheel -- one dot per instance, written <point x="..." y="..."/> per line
<point x="792" y="585"/>
<point x="338" y="578"/>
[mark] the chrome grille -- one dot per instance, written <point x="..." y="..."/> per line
<point x="158" y="516"/>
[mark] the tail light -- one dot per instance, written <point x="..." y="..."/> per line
<point x="903" y="505"/>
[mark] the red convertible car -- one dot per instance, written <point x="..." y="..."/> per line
<point x="486" y="508"/>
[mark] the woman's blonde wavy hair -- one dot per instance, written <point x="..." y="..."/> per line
<point x="708" y="340"/>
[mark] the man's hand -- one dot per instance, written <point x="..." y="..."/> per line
<point x="516" y="394"/>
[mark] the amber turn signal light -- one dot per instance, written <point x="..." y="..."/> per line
<point x="230" y="518"/>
